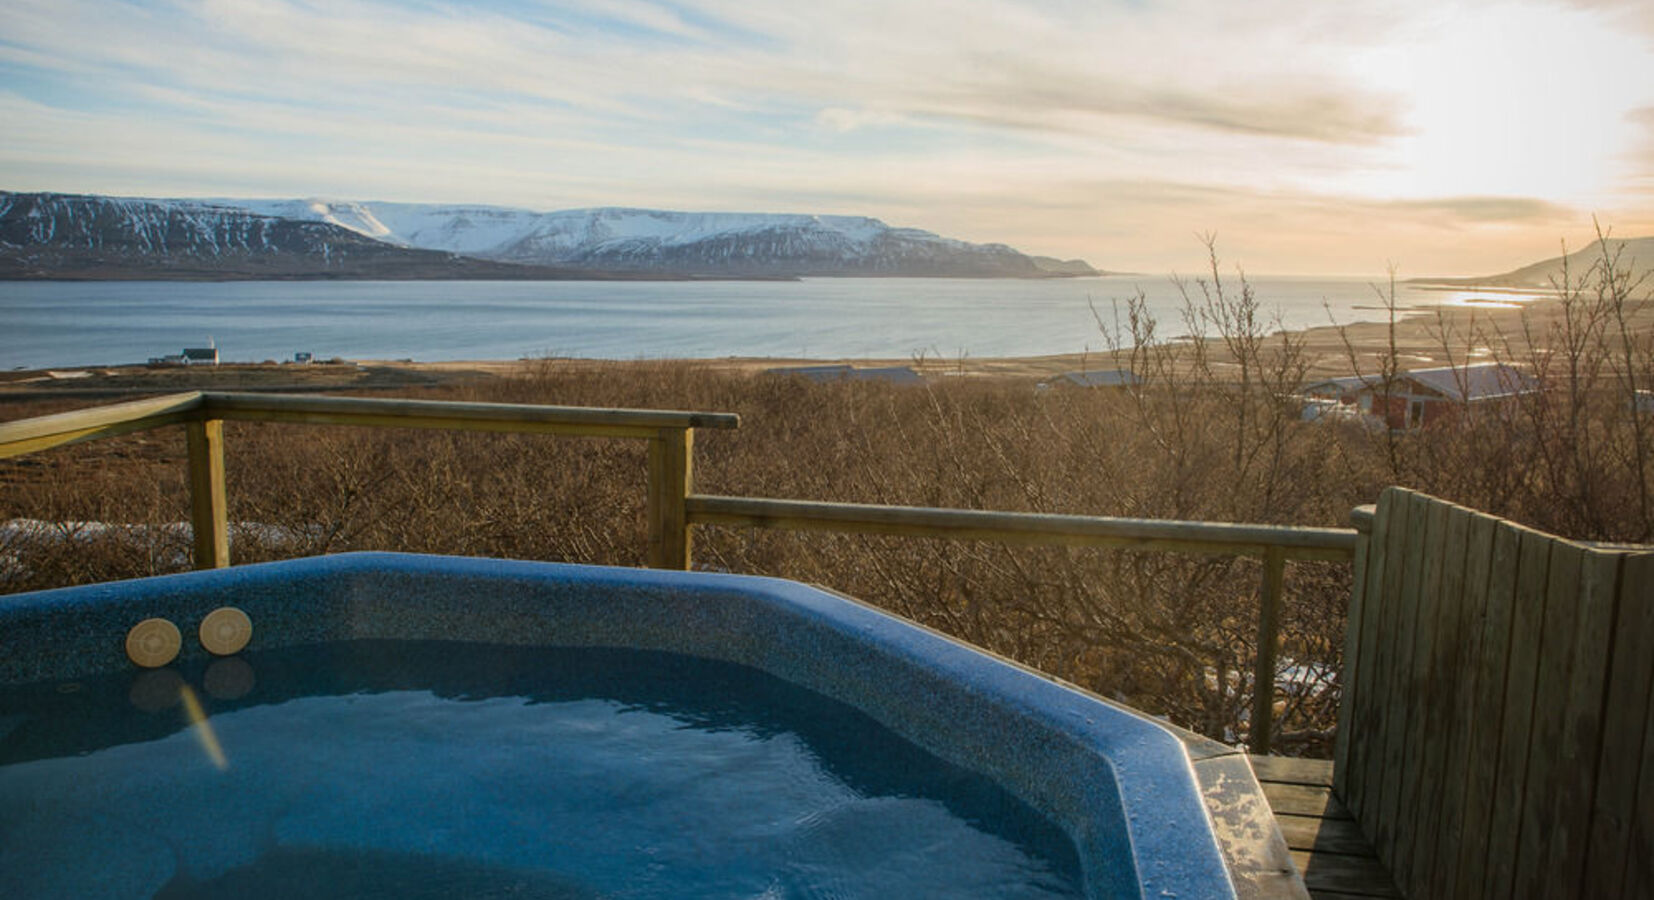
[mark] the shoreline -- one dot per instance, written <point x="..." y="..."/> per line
<point x="1329" y="350"/>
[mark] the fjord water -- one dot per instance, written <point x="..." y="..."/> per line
<point x="109" y="323"/>
<point x="432" y="769"/>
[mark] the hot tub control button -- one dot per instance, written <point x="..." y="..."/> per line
<point x="153" y="643"/>
<point x="225" y="631"/>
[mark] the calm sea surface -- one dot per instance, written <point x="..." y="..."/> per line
<point x="93" y="323"/>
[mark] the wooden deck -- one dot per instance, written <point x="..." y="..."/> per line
<point x="1331" y="853"/>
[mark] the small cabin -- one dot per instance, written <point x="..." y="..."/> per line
<point x="1111" y="378"/>
<point x="1420" y="397"/>
<point x="823" y="374"/>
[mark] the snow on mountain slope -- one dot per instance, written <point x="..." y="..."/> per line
<point x="608" y="240"/>
<point x="741" y="244"/>
<point x="470" y="230"/>
<point x="126" y="225"/>
<point x="578" y="232"/>
<point x="354" y="216"/>
<point x="645" y="240"/>
<point x="46" y="235"/>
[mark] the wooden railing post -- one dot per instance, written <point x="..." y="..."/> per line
<point x="671" y="479"/>
<point x="1269" y="639"/>
<point x="208" y="515"/>
<point x="1362" y="518"/>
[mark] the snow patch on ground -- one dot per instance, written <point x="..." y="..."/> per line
<point x="170" y="542"/>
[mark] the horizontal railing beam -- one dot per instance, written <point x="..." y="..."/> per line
<point x="44" y="432"/>
<point x="450" y="415"/>
<point x="1219" y="538"/>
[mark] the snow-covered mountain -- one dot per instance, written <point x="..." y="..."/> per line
<point x="44" y="235"/>
<point x="685" y="243"/>
<point x="464" y="229"/>
<point x="68" y="222"/>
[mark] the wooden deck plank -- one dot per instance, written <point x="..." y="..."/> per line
<point x="1304" y="800"/>
<point x="1349" y="678"/>
<point x="1624" y="714"/>
<point x="1317" y="835"/>
<point x="1361" y="876"/>
<point x="1639" y="855"/>
<point x="1521" y="684"/>
<point x="1327" y="845"/>
<point x="1489" y="709"/>
<point x="1390" y="545"/>
<point x="1461" y="720"/>
<point x="1438" y="692"/>
<point x="1292" y="770"/>
<point x="1421" y="686"/>
<point x="1387" y="827"/>
<point x="1579" y="741"/>
<point x="1553" y="676"/>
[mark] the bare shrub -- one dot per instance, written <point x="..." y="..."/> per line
<point x="1571" y="455"/>
<point x="1211" y="432"/>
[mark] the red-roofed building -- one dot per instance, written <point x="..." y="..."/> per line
<point x="1421" y="397"/>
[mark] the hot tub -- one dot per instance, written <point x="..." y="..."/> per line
<point x="435" y="726"/>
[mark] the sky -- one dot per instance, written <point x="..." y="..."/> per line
<point x="1308" y="137"/>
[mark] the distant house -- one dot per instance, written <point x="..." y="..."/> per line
<point x="199" y="356"/>
<point x="303" y="358"/>
<point x="824" y="374"/>
<point x="1420" y="397"/>
<point x="1111" y="378"/>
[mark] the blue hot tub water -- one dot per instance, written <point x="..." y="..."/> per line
<point x="551" y="771"/>
<point x="416" y="726"/>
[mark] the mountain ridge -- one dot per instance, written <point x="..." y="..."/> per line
<point x="1635" y="255"/>
<point x="711" y="244"/>
<point x="93" y="237"/>
<point x="48" y="235"/>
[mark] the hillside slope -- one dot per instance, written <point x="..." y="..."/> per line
<point x="1635" y="255"/>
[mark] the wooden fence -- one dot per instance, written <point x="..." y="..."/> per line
<point x="1497" y="734"/>
<point x="672" y="506"/>
<point x="668" y="432"/>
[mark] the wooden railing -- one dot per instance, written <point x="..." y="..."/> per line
<point x="672" y="506"/>
<point x="669" y="433"/>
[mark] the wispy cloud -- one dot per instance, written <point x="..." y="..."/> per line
<point x="1508" y="210"/>
<point x="1073" y="127"/>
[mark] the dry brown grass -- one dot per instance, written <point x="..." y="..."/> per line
<point x="1200" y="440"/>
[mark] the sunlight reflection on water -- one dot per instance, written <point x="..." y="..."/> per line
<point x="108" y="323"/>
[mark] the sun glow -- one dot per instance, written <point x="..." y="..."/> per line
<point x="1519" y="100"/>
<point x="1447" y="135"/>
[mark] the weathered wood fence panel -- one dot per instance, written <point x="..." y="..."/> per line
<point x="1497" y="711"/>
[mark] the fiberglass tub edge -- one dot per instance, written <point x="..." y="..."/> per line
<point x="1122" y="785"/>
